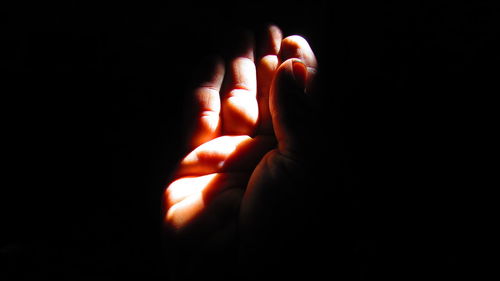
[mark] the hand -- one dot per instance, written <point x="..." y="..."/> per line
<point x="238" y="192"/>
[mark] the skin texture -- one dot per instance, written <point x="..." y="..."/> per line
<point x="240" y="189"/>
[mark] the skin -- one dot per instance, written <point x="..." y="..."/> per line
<point x="233" y="195"/>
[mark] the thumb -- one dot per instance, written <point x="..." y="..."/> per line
<point x="291" y="108"/>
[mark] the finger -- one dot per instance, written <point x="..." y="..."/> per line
<point x="208" y="207"/>
<point x="182" y="188"/>
<point x="207" y="104"/>
<point x="296" y="46"/>
<point x="226" y="153"/>
<point x="210" y="185"/>
<point x="290" y="108"/>
<point x="192" y="214"/>
<point x="239" y="104"/>
<point x="270" y="41"/>
<point x="266" y="67"/>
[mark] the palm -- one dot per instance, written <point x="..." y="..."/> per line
<point x="241" y="152"/>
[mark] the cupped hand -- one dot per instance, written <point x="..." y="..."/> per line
<point x="237" y="193"/>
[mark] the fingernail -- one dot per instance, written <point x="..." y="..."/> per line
<point x="299" y="73"/>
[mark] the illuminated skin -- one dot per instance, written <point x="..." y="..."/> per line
<point x="247" y="145"/>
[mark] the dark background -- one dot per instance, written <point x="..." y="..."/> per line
<point x="93" y="107"/>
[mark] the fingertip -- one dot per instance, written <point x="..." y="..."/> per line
<point x="218" y="67"/>
<point x="217" y="60"/>
<point x="271" y="40"/>
<point x="274" y="29"/>
<point x="210" y="69"/>
<point x="244" y="44"/>
<point x="296" y="46"/>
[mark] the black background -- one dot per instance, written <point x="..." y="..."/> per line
<point x="93" y="106"/>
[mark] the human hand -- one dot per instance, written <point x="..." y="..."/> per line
<point x="238" y="191"/>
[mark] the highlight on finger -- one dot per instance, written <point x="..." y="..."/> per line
<point x="226" y="154"/>
<point x="210" y="196"/>
<point x="266" y="67"/>
<point x="239" y="103"/>
<point x="207" y="104"/>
